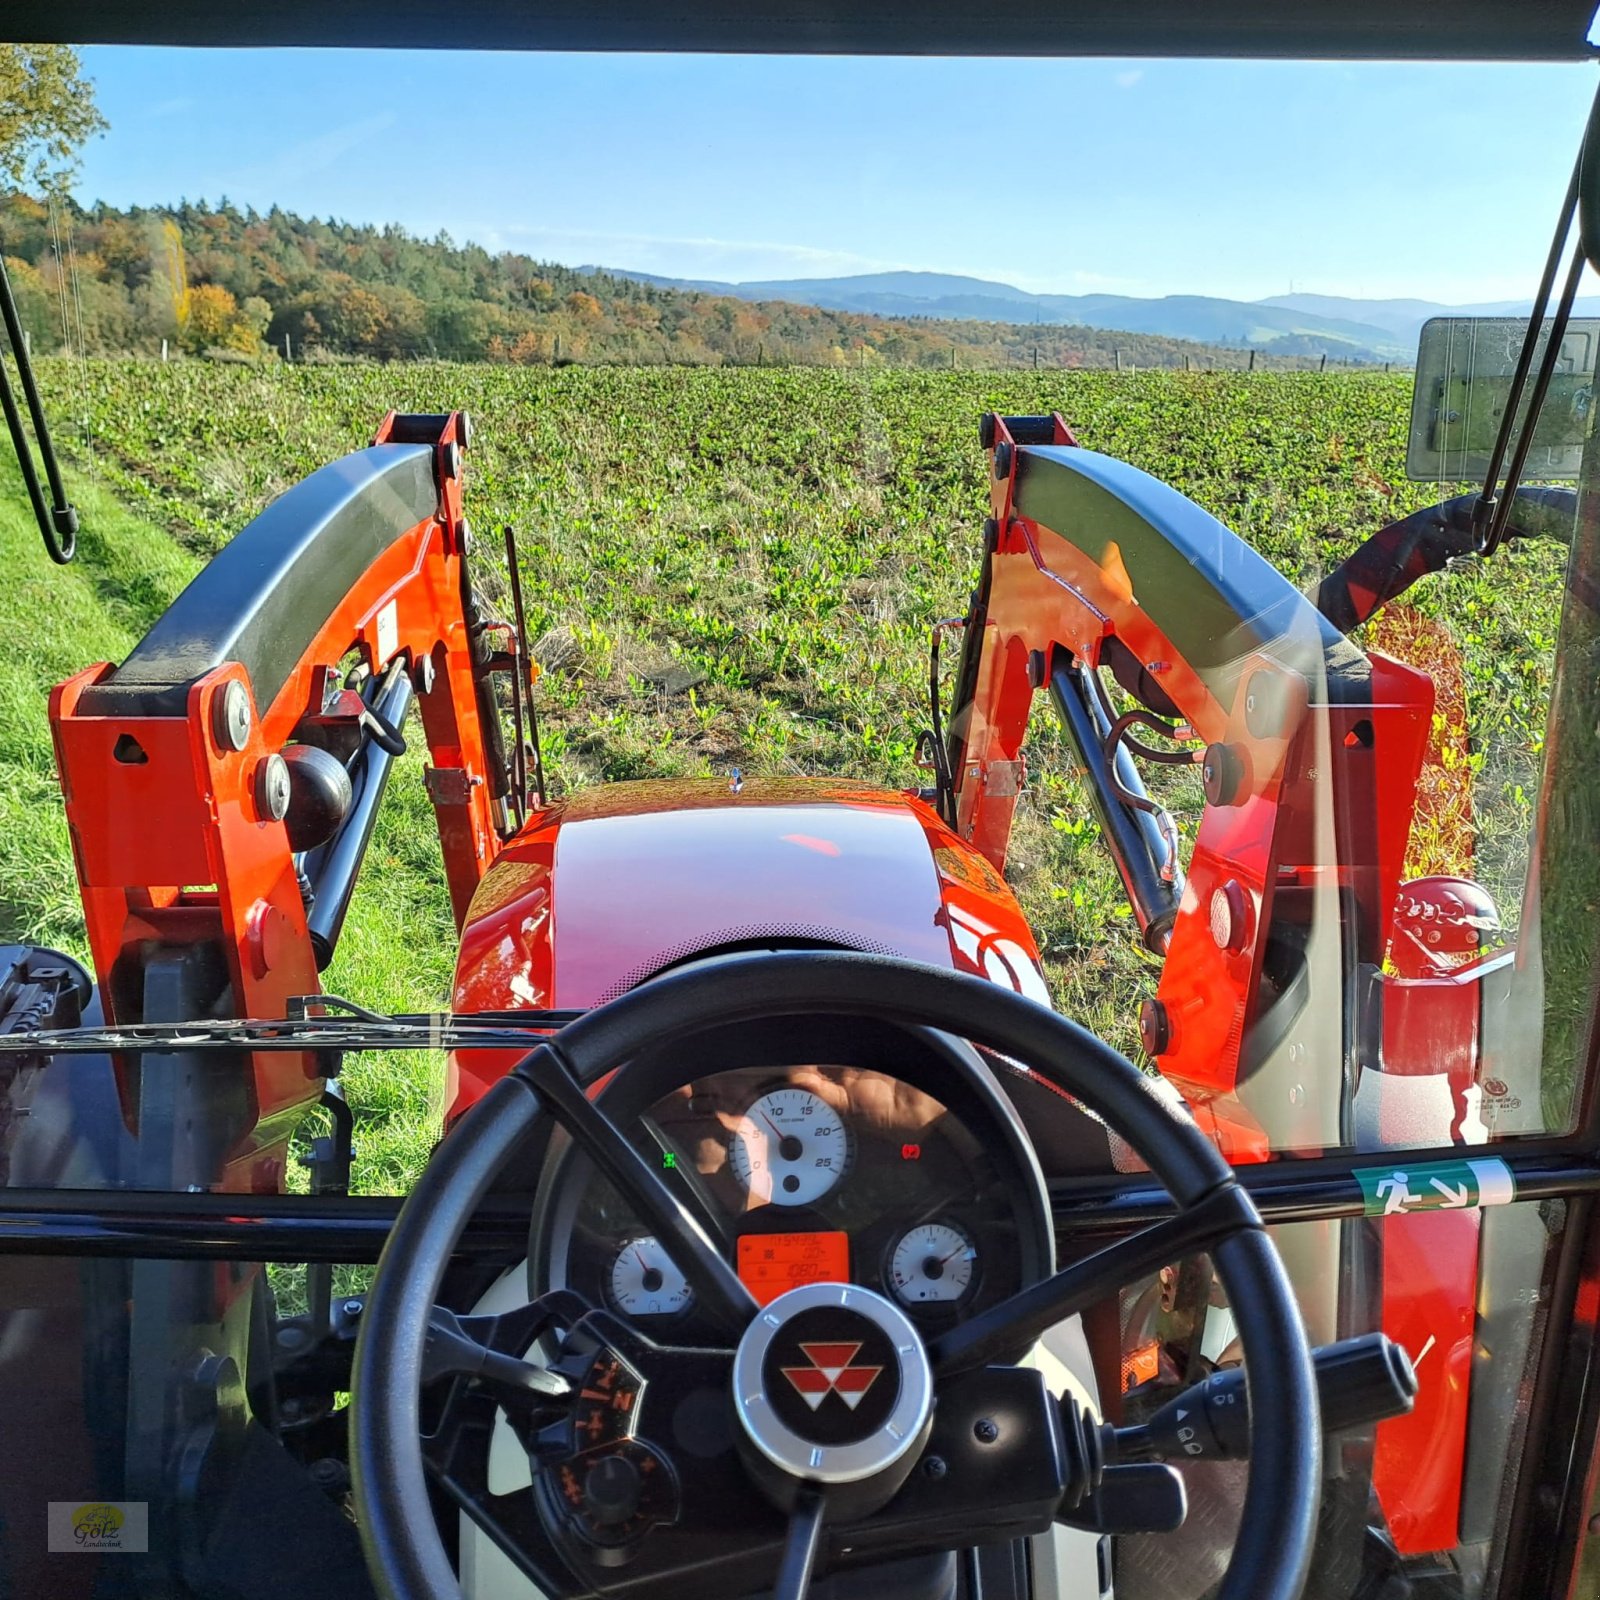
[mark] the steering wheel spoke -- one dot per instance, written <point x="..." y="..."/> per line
<point x="689" y="1188"/>
<point x="681" y="1233"/>
<point x="510" y="1520"/>
<point x="800" y="1547"/>
<point x="1014" y="1324"/>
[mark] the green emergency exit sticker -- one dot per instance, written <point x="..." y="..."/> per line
<point x="1436" y="1186"/>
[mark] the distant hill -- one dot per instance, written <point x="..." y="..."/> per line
<point x="1404" y="318"/>
<point x="1401" y="319"/>
<point x="1346" y="328"/>
<point x="1203" y="318"/>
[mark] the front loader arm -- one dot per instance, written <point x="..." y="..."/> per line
<point x="193" y="837"/>
<point x="1273" y="1000"/>
<point x="1309" y="749"/>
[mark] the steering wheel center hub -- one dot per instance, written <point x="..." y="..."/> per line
<point x="832" y="1384"/>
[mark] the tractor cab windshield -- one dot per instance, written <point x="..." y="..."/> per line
<point x="670" y="511"/>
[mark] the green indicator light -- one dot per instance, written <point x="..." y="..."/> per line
<point x="669" y="1160"/>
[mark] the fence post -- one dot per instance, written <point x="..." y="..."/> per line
<point x="1252" y="366"/>
<point x="163" y="349"/>
<point x="1323" y="365"/>
<point x="27" y="344"/>
<point x="1119" y="358"/>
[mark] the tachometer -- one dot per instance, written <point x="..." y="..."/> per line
<point x="791" y="1147"/>
<point x="645" y="1283"/>
<point x="934" y="1262"/>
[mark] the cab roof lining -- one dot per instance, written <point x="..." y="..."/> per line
<point x="1461" y="30"/>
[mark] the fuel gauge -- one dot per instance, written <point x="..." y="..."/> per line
<point x="646" y="1283"/>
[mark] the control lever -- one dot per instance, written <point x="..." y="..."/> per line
<point x="452" y="1347"/>
<point x="1359" y="1381"/>
<point x="1105" y="1496"/>
<point x="1138" y="1497"/>
<point x="1119" y="1482"/>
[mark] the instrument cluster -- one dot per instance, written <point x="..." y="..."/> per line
<point x="804" y="1174"/>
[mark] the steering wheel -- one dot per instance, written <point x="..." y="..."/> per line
<point x="1012" y="1456"/>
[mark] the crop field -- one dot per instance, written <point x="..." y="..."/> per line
<point x="740" y="568"/>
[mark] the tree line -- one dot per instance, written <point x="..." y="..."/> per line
<point x="234" y="283"/>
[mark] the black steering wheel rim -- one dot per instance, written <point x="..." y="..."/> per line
<point x="404" y="1551"/>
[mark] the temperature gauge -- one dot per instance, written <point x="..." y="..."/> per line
<point x="933" y="1263"/>
<point x="645" y="1283"/>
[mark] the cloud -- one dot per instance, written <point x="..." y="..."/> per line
<point x="269" y="178"/>
<point x="1126" y="80"/>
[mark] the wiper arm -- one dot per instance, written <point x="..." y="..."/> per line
<point x="1492" y="510"/>
<point x="58" y="524"/>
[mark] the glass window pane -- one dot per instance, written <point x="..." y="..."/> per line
<point x="1422" y="1499"/>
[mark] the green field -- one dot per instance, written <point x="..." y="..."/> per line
<point x="724" y="568"/>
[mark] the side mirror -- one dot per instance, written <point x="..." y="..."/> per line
<point x="1465" y="368"/>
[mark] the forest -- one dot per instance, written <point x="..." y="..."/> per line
<point x="214" y="280"/>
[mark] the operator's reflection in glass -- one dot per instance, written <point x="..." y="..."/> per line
<point x="761" y="1137"/>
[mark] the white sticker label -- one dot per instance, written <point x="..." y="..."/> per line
<point x="99" y="1525"/>
<point x="388" y="633"/>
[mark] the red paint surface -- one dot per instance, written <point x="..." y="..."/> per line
<point x="603" y="890"/>
<point x="1430" y="1269"/>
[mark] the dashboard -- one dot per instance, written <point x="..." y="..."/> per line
<point x="803" y="1173"/>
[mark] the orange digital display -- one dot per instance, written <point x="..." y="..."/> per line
<point x="770" y="1264"/>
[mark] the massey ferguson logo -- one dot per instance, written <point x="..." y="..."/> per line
<point x="830" y="1372"/>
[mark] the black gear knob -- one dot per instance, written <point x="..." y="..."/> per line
<point x="611" y="1491"/>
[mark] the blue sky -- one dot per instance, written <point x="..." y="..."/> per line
<point x="1130" y="177"/>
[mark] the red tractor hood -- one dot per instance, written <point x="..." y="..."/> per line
<point x="603" y="890"/>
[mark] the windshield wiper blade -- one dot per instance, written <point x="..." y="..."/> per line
<point x="502" y="1030"/>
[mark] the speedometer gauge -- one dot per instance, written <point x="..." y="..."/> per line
<point x="791" y="1147"/>
<point x="934" y="1262"/>
<point x="645" y="1283"/>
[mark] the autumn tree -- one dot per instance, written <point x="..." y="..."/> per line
<point x="47" y="113"/>
<point x="528" y="348"/>
<point x="216" y="321"/>
<point x="212" y="310"/>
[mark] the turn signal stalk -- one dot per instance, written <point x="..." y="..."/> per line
<point x="1359" y="1382"/>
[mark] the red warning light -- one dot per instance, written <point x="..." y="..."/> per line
<point x="911" y="1152"/>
